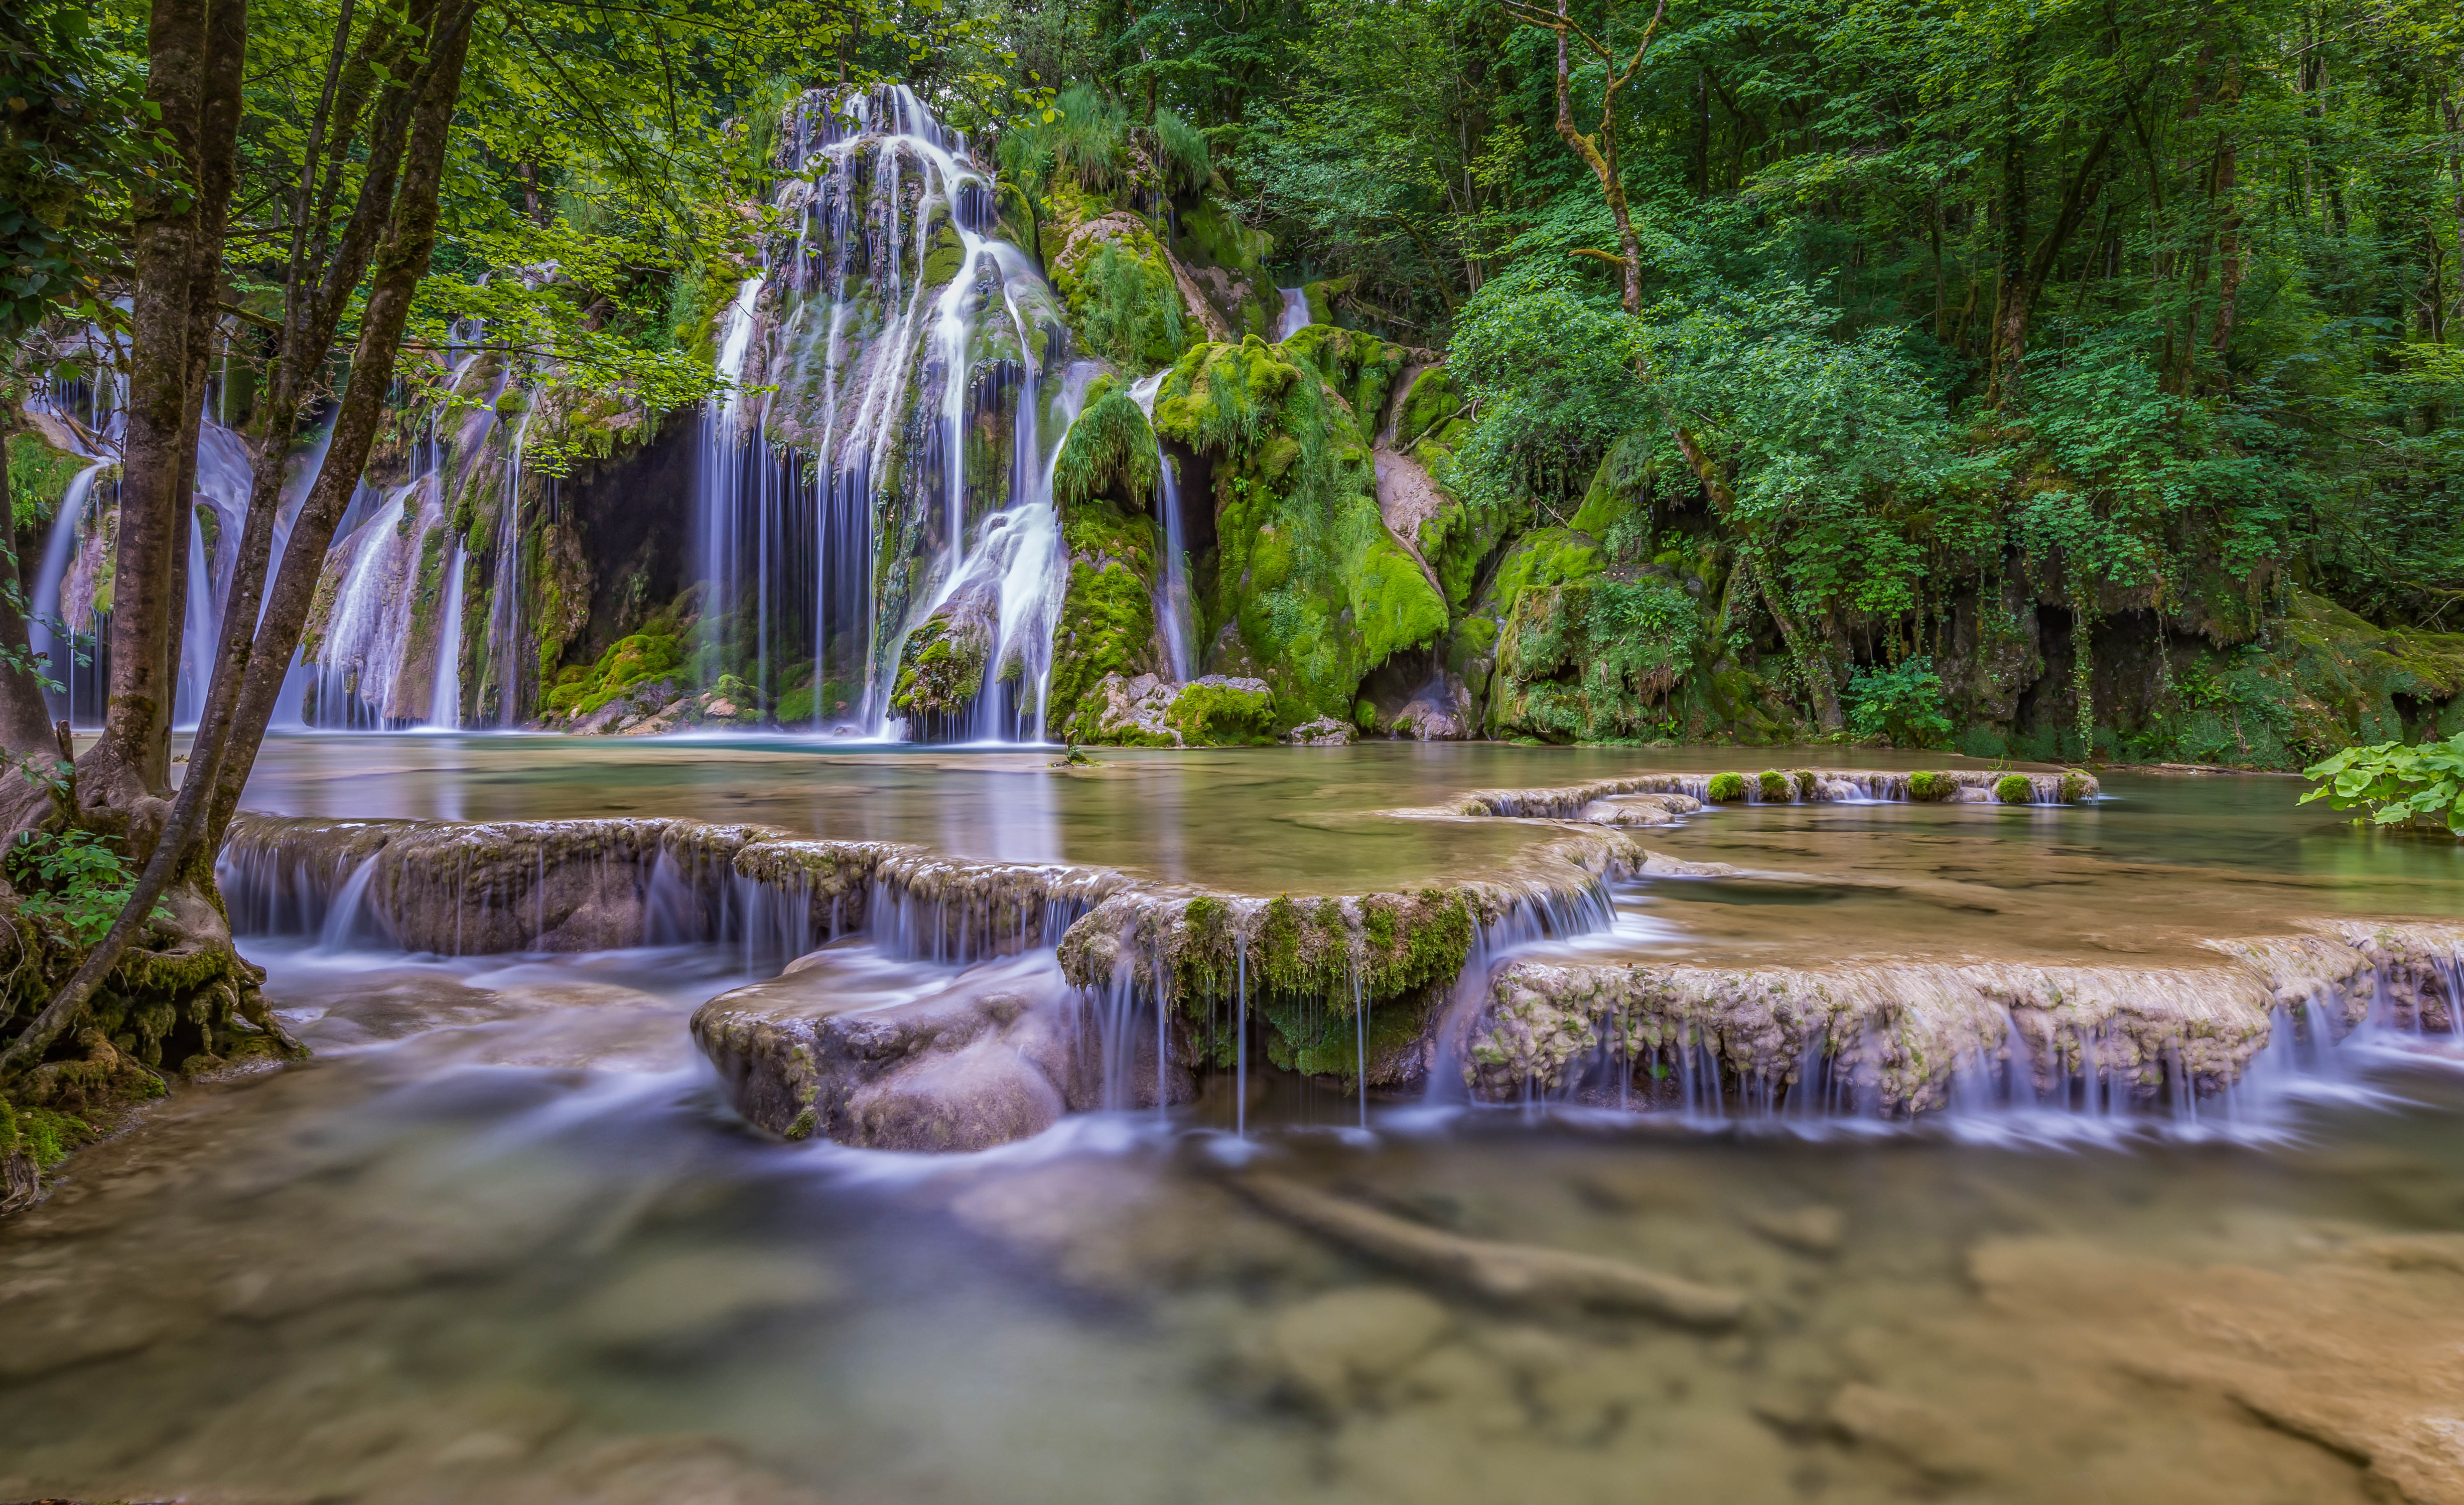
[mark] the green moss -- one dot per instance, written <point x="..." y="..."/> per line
<point x="1427" y="408"/>
<point x="1319" y="591"/>
<point x="1120" y="296"/>
<point x="38" y="478"/>
<point x="628" y="663"/>
<point x="1775" y="786"/>
<point x="1727" y="788"/>
<point x="1925" y="787"/>
<point x="2074" y="786"/>
<point x="1107" y="623"/>
<point x="1593" y="660"/>
<point x="946" y="254"/>
<point x="44" y="1135"/>
<point x="1222" y="715"/>
<point x="1110" y="450"/>
<point x="2015" y="789"/>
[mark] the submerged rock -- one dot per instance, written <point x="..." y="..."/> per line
<point x="993" y="1055"/>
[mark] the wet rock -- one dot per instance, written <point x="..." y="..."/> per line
<point x="1333" y="1351"/>
<point x="1515" y="1274"/>
<point x="1323" y="733"/>
<point x="997" y="1053"/>
<point x="1808" y="784"/>
<point x="687" y="1300"/>
<point x="1438" y="712"/>
<point x="1638" y="810"/>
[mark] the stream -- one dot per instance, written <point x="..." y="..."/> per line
<point x="505" y="1237"/>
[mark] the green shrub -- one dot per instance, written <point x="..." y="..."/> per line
<point x="1727" y="787"/>
<point x="73" y="882"/>
<point x="2399" y="785"/>
<point x="2015" y="789"/>
<point x="1902" y="704"/>
<point x="1183" y="154"/>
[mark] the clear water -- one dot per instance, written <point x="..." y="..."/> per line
<point x="502" y="1241"/>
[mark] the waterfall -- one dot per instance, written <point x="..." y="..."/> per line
<point x="504" y="662"/>
<point x="55" y="637"/>
<point x="878" y="460"/>
<point x="444" y="700"/>
<point x="1296" y="314"/>
<point x="1174" y="613"/>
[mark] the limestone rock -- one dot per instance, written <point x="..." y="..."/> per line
<point x="1933" y="1444"/>
<point x="1323" y="733"/>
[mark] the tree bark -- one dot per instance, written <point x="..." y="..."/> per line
<point x="2229" y="269"/>
<point x="196" y="49"/>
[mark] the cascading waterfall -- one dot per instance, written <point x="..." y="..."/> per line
<point x="879" y="463"/>
<point x="503" y="670"/>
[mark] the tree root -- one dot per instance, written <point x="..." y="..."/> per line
<point x="1520" y="1275"/>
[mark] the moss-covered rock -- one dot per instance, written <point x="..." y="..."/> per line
<point x="1216" y="711"/>
<point x="942" y="668"/>
<point x="1319" y="591"/>
<point x="1106" y="628"/>
<point x="1109" y="452"/>
<point x="1115" y="280"/>
<point x="627" y="665"/>
<point x="1592" y="660"/>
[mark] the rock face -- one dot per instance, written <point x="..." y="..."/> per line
<point x="995" y="1055"/>
<point x="1909" y="1037"/>
<point x="1149" y="711"/>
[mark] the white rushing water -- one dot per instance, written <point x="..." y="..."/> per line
<point x="827" y="534"/>
<point x="1295" y="315"/>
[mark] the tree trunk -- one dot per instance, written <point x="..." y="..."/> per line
<point x="194" y="54"/>
<point x="2228" y="225"/>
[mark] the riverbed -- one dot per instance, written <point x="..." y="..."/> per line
<point x="502" y="1238"/>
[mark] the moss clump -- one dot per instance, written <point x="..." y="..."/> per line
<point x="1727" y="788"/>
<point x="1118" y="288"/>
<point x="2074" y="786"/>
<point x="630" y="664"/>
<point x="1222" y="715"/>
<point x="1415" y="942"/>
<point x="1776" y="786"/>
<point x="1108" y="451"/>
<point x="43" y="1135"/>
<point x="1928" y="788"/>
<point x="946" y="254"/>
<point x="38" y="478"/>
<point x="2015" y="789"/>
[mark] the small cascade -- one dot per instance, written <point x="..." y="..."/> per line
<point x="876" y="479"/>
<point x="1594" y="802"/>
<point x="501" y="667"/>
<point x="1176" y="611"/>
<point x="1295" y="317"/>
<point x="69" y="642"/>
<point x="445" y="699"/>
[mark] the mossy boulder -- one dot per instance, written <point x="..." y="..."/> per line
<point x="1106" y="628"/>
<point x="1727" y="788"/>
<point x="1217" y="711"/>
<point x="1109" y="450"/>
<point x="628" y="663"/>
<point x="2015" y="789"/>
<point x="1593" y="659"/>
<point x="1316" y="589"/>
<point x="942" y="667"/>
<point x="1115" y="281"/>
